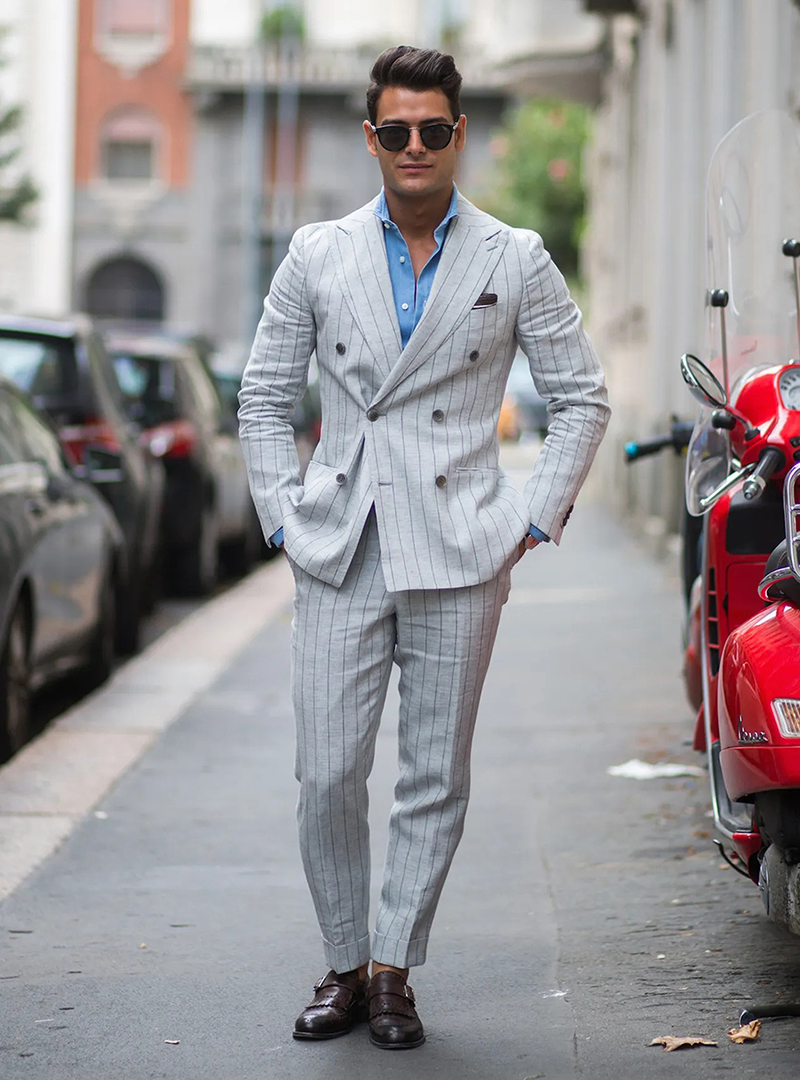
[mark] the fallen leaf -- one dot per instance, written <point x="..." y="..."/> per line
<point x="672" y="1042"/>
<point x="745" y="1033"/>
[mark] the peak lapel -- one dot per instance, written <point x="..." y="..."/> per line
<point x="360" y="255"/>
<point x="470" y="254"/>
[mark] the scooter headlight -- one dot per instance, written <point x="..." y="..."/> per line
<point x="787" y="713"/>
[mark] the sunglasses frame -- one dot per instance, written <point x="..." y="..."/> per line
<point x="377" y="130"/>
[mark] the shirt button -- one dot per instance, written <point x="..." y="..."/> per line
<point x="373" y="414"/>
<point x="386" y="224"/>
<point x="402" y="258"/>
<point x="341" y="348"/>
<point x="404" y="307"/>
<point x="441" y="481"/>
<point x="474" y="355"/>
<point x="341" y="478"/>
<point x="438" y="415"/>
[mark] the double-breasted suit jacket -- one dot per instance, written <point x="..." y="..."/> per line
<point x="413" y="431"/>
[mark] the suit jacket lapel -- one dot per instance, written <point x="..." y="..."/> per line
<point x="360" y="255"/>
<point x="471" y="252"/>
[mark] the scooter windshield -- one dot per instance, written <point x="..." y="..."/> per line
<point x="752" y="206"/>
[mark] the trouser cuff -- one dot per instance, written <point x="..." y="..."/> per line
<point x="401" y="954"/>
<point x="347" y="957"/>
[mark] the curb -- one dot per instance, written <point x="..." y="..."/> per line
<point x="54" y="782"/>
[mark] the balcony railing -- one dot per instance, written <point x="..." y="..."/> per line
<point x="233" y="68"/>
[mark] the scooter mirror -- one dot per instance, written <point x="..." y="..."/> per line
<point x="702" y="383"/>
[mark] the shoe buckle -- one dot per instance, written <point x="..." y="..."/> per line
<point x="319" y="982"/>
<point x="409" y="993"/>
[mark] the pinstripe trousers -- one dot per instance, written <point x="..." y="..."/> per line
<point x="344" y="641"/>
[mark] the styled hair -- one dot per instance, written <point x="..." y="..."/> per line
<point x="414" y="69"/>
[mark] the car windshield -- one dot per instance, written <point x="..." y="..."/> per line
<point x="149" y="387"/>
<point x="40" y="366"/>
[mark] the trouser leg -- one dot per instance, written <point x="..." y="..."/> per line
<point x="342" y="646"/>
<point x="444" y="644"/>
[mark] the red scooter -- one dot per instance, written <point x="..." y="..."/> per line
<point x="742" y="658"/>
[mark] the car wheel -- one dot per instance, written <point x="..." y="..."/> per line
<point x="100" y="662"/>
<point x="196" y="564"/>
<point x="15" y="683"/>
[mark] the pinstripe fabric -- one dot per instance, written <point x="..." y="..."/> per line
<point x="333" y="294"/>
<point x="344" y="642"/>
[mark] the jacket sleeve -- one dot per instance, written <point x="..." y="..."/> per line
<point x="274" y="380"/>
<point x="567" y="373"/>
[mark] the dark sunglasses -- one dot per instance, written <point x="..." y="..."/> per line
<point x="394" y="137"/>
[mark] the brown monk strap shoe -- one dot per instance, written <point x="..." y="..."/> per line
<point x="393" y="1020"/>
<point x="339" y="1002"/>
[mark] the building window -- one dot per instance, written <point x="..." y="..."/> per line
<point x="131" y="146"/>
<point x="132" y="33"/>
<point x="137" y="18"/>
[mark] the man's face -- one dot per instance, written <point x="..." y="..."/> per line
<point x="415" y="170"/>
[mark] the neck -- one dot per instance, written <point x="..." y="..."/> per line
<point x="417" y="218"/>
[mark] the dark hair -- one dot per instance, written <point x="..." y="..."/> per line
<point x="414" y="69"/>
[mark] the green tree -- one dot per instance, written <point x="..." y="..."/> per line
<point x="539" y="178"/>
<point x="283" y="21"/>
<point x="18" y="194"/>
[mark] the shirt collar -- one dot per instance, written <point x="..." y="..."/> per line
<point x="382" y="211"/>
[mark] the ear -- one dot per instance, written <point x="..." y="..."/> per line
<point x="372" y="139"/>
<point x="460" y="135"/>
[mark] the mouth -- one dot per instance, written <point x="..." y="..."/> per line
<point x="414" y="168"/>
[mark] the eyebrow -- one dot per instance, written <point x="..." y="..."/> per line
<point x="429" y="120"/>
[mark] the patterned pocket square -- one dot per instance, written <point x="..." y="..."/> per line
<point x="486" y="299"/>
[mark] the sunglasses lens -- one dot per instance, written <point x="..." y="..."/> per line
<point x="436" y="136"/>
<point x="393" y="138"/>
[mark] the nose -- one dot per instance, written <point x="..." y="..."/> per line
<point x="415" y="144"/>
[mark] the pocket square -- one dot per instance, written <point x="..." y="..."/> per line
<point x="486" y="299"/>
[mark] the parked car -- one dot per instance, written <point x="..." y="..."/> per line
<point x="63" y="367"/>
<point x="524" y="410"/>
<point x="62" y="554"/>
<point x="306" y="419"/>
<point x="170" y="393"/>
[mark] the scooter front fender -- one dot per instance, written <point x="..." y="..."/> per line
<point x="760" y="663"/>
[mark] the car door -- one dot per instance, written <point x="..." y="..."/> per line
<point x="226" y="453"/>
<point x="68" y="550"/>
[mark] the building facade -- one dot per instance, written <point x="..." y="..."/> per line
<point x="681" y="73"/>
<point x="199" y="148"/>
<point x="38" y="49"/>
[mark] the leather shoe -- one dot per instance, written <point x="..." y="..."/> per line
<point x="393" y="1020"/>
<point x="339" y="1002"/>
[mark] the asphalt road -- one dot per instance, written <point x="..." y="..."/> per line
<point x="172" y="936"/>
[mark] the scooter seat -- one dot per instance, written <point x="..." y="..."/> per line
<point x="787" y="588"/>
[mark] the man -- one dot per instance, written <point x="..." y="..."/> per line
<point x="404" y="531"/>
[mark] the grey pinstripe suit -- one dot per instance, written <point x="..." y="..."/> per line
<point x="403" y="532"/>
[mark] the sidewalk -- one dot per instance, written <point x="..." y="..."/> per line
<point x="171" y="935"/>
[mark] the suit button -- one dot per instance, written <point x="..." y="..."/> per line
<point x="474" y="355"/>
<point x="373" y="415"/>
<point x="340" y="348"/>
<point x="441" y="481"/>
<point x="438" y="415"/>
<point x="341" y="478"/>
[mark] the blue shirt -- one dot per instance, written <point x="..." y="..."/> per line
<point x="411" y="293"/>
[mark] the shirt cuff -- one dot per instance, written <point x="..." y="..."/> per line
<point x="276" y="540"/>
<point x="537" y="534"/>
